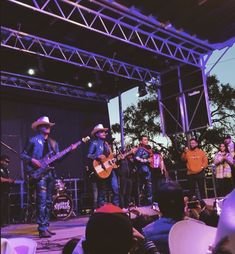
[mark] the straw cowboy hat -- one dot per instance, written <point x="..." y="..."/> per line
<point x="40" y="121"/>
<point x="98" y="127"/>
<point x="194" y="237"/>
<point x="191" y="236"/>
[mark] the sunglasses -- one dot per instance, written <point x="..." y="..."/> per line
<point x="45" y="126"/>
<point x="102" y="132"/>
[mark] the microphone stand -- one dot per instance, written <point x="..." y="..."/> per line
<point x="7" y="146"/>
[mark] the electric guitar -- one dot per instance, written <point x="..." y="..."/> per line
<point x="104" y="167"/>
<point x="38" y="173"/>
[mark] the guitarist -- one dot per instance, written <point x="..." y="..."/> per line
<point x="98" y="150"/>
<point x="37" y="148"/>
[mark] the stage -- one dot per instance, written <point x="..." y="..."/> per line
<point x="65" y="230"/>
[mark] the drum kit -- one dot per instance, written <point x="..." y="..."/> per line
<point x="62" y="206"/>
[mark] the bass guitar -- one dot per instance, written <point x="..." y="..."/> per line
<point x="104" y="167"/>
<point x="38" y="173"/>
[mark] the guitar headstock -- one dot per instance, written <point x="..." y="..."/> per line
<point x="86" y="139"/>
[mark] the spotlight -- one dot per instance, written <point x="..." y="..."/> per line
<point x="142" y="91"/>
<point x="89" y="84"/>
<point x="31" y="71"/>
<point x="153" y="81"/>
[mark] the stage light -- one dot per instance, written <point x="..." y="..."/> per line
<point x="153" y="82"/>
<point x="89" y="84"/>
<point x="31" y="71"/>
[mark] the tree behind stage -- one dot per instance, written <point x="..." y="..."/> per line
<point x="143" y="118"/>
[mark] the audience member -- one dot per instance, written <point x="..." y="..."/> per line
<point x="231" y="148"/>
<point x="223" y="161"/>
<point x="109" y="230"/>
<point x="199" y="210"/>
<point x="196" y="161"/>
<point x="199" y="238"/>
<point x="108" y="233"/>
<point x="171" y="205"/>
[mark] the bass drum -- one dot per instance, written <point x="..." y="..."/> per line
<point x="62" y="207"/>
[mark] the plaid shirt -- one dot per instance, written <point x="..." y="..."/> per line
<point x="223" y="169"/>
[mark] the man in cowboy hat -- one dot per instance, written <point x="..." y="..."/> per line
<point x="98" y="150"/>
<point x="37" y="148"/>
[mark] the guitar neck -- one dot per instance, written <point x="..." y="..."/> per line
<point x="128" y="153"/>
<point x="125" y="155"/>
<point x="61" y="154"/>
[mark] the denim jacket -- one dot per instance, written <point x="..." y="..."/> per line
<point x="142" y="153"/>
<point x="34" y="149"/>
<point x="98" y="147"/>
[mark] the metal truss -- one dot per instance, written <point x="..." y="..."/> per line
<point x="50" y="87"/>
<point x="128" y="25"/>
<point x="57" y="51"/>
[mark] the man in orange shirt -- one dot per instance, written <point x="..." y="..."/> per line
<point x="196" y="161"/>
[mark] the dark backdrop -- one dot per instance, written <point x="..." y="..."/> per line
<point x="74" y="119"/>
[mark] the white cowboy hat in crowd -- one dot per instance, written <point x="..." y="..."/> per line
<point x="194" y="237"/>
<point x="40" y="121"/>
<point x="191" y="236"/>
<point x="98" y="127"/>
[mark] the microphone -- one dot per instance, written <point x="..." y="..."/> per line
<point x="160" y="144"/>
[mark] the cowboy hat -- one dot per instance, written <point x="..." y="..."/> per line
<point x="98" y="127"/>
<point x="191" y="236"/>
<point x="40" y="121"/>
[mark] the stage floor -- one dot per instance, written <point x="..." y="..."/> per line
<point x="65" y="230"/>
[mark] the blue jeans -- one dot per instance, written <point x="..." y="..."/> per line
<point x="44" y="190"/>
<point x="103" y="184"/>
<point x="145" y="183"/>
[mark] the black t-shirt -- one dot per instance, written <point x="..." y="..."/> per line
<point x="45" y="148"/>
<point x="4" y="172"/>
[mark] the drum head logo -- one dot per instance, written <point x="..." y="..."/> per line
<point x="62" y="207"/>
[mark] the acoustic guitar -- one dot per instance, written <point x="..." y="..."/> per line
<point x="104" y="167"/>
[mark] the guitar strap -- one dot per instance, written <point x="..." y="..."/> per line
<point x="106" y="148"/>
<point x="147" y="150"/>
<point x="52" y="144"/>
